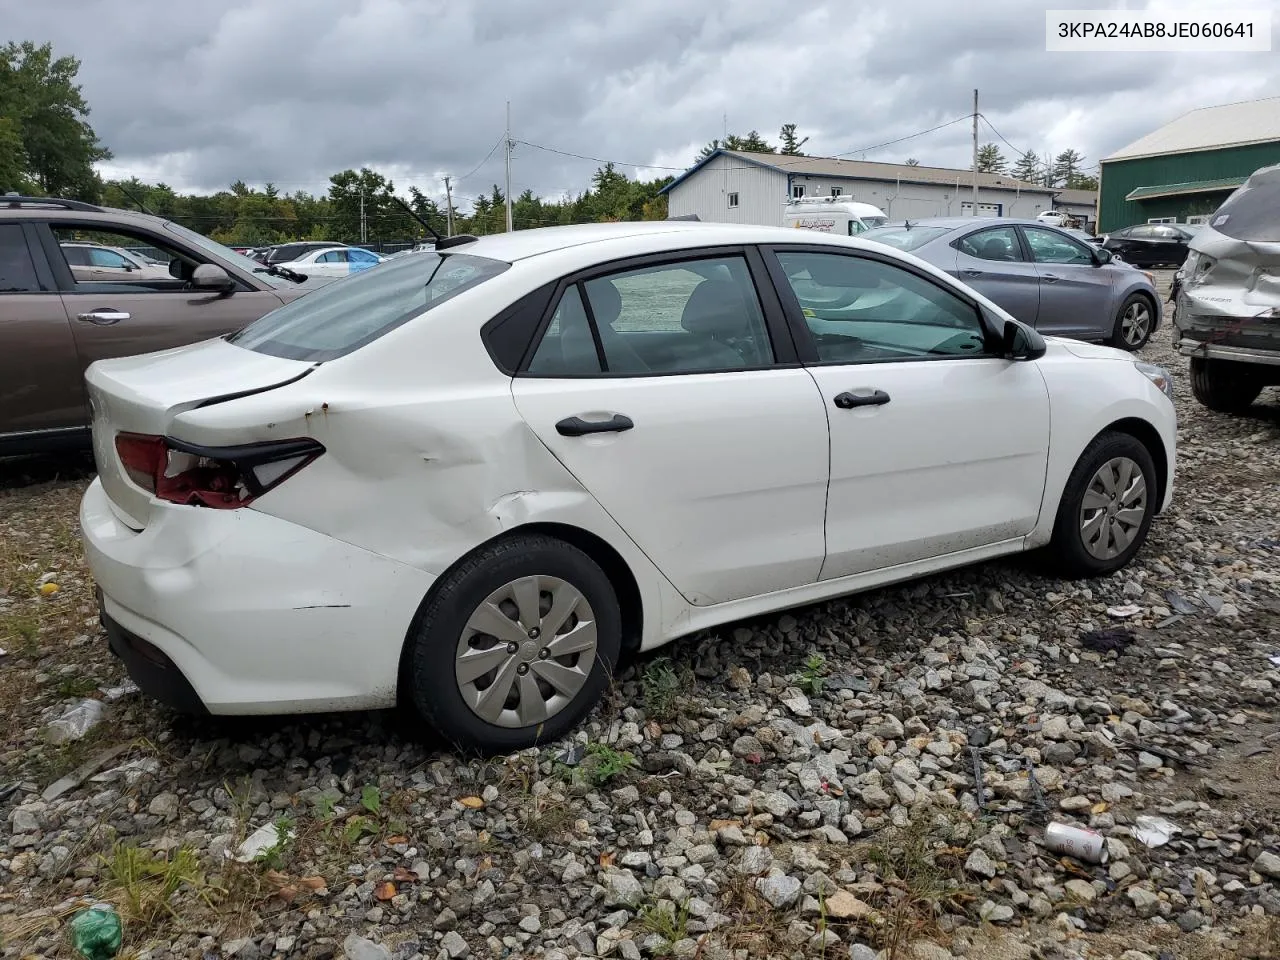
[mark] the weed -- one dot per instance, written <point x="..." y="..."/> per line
<point x="273" y="857"/>
<point x="755" y="926"/>
<point x="602" y="764"/>
<point x="670" y="925"/>
<point x="75" y="688"/>
<point x="545" y="818"/>
<point x="663" y="684"/>
<point x="371" y="799"/>
<point x="20" y="632"/>
<point x="811" y="675"/>
<point x="142" y="883"/>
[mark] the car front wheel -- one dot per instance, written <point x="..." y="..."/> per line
<point x="1106" y="508"/>
<point x="1134" y="323"/>
<point x="515" y="646"/>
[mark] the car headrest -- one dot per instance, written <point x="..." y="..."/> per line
<point x="606" y="302"/>
<point x="716" y="309"/>
<point x="993" y="248"/>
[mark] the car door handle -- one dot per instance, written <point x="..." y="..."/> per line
<point x="847" y="401"/>
<point x="103" y="317"/>
<point x="1049" y="277"/>
<point x="577" y="427"/>
<point x="970" y="272"/>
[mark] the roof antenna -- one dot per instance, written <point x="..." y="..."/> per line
<point x="441" y="242"/>
<point x="138" y="203"/>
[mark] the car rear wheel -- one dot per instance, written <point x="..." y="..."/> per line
<point x="1134" y="323"/>
<point x="1223" y="385"/>
<point x="515" y="647"/>
<point x="1106" y="508"/>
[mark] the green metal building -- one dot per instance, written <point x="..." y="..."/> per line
<point x="1184" y="170"/>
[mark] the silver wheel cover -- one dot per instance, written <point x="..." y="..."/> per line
<point x="526" y="652"/>
<point x="1114" y="506"/>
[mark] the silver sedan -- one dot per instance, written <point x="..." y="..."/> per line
<point x="1042" y="275"/>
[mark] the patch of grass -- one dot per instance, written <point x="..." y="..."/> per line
<point x="670" y="925"/>
<point x="756" y="926"/>
<point x="918" y="887"/>
<point x="143" y="884"/>
<point x="811" y="675"/>
<point x="544" y="818"/>
<point x="603" y="764"/>
<point x="76" y="688"/>
<point x="57" y="760"/>
<point x="18" y="633"/>
<point x="663" y="684"/>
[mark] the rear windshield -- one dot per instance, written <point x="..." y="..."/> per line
<point x="905" y="238"/>
<point x="347" y="314"/>
<point x="1253" y="211"/>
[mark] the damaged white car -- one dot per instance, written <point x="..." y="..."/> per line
<point x="1227" y="297"/>
<point x="469" y="479"/>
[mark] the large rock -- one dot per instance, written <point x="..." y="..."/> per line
<point x="1267" y="864"/>
<point x="621" y="889"/>
<point x="980" y="864"/>
<point x="779" y="890"/>
<point x="1145" y="903"/>
<point x="358" y="948"/>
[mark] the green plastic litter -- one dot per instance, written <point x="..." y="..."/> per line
<point x="96" y="933"/>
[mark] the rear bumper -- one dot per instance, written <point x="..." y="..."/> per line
<point x="238" y="612"/>
<point x="1221" y="351"/>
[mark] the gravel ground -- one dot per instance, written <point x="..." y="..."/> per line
<point x="797" y="785"/>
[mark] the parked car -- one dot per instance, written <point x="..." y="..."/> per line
<point x="58" y="315"/>
<point x="288" y="252"/>
<point x="469" y="478"/>
<point x="335" y="261"/>
<point x="1227" y="295"/>
<point x="1151" y="244"/>
<point x="1084" y="235"/>
<point x="93" y="261"/>
<point x="1042" y="275"/>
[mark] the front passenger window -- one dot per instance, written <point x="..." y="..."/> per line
<point x="865" y="311"/>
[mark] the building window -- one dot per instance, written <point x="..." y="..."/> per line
<point x="837" y="191"/>
<point x="733" y="200"/>
<point x="1202" y="218"/>
<point x="797" y="191"/>
<point x="1163" y="220"/>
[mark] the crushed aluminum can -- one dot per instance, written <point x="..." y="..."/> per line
<point x="1079" y="842"/>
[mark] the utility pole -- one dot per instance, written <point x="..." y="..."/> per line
<point x="363" y="232"/>
<point x="975" y="153"/>
<point x="509" y="145"/>
<point x="448" y="202"/>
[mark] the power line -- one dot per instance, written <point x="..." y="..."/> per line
<point x="1020" y="153"/>
<point x="616" y="163"/>
<point x="497" y="143"/>
<point x="889" y="143"/>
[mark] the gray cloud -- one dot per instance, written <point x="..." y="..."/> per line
<point x="292" y="91"/>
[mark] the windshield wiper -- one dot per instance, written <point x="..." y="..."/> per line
<point x="278" y="271"/>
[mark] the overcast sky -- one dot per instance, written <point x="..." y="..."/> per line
<point x="199" y="95"/>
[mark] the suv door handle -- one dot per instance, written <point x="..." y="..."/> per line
<point x="577" y="427"/>
<point x="847" y="401"/>
<point x="103" y="316"/>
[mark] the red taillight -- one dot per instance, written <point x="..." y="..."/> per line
<point x="220" y="477"/>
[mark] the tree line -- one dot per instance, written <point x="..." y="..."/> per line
<point x="1066" y="170"/>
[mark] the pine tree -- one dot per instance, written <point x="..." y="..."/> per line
<point x="790" y="143"/>
<point x="1027" y="167"/>
<point x="912" y="162"/>
<point x="990" y="159"/>
<point x="1066" y="168"/>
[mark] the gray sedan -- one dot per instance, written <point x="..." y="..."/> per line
<point x="1042" y="275"/>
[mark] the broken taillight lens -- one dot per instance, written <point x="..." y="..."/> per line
<point x="220" y="477"/>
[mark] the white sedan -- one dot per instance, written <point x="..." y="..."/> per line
<point x="469" y="479"/>
<point x="335" y="262"/>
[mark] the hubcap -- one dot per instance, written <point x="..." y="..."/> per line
<point x="1135" y="323"/>
<point x="1115" y="503"/>
<point x="526" y="651"/>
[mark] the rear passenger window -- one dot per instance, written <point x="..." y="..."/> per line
<point x="698" y="316"/>
<point x="17" y="271"/>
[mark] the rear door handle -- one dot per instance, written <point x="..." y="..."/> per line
<point x="577" y="427"/>
<point x="847" y="401"/>
<point x="103" y="316"/>
<point x="970" y="272"/>
<point x="1049" y="277"/>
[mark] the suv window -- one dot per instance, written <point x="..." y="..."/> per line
<point x="999" y="243"/>
<point x="1049" y="246"/>
<point x="861" y="310"/>
<point x="341" y="317"/>
<point x="17" y="270"/>
<point x="695" y="316"/>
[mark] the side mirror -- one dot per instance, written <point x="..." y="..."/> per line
<point x="1022" y="343"/>
<point x="1102" y="256"/>
<point x="210" y="276"/>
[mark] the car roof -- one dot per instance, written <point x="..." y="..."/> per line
<point x="523" y="244"/>
<point x="956" y="223"/>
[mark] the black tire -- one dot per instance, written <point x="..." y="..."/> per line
<point x="1224" y="386"/>
<point x="429" y="683"/>
<point x="1118" y="333"/>
<point x="1067" y="552"/>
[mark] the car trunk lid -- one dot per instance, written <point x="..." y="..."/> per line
<point x="143" y="395"/>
